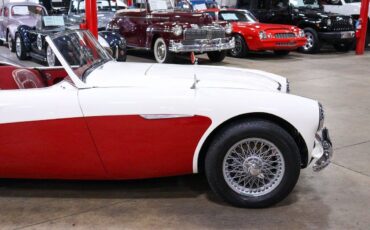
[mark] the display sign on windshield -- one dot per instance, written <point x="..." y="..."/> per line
<point x="53" y="20"/>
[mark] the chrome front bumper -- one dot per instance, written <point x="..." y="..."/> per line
<point x="202" y="45"/>
<point x="323" y="150"/>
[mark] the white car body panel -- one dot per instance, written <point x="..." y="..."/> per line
<point x="150" y="75"/>
<point x="39" y="104"/>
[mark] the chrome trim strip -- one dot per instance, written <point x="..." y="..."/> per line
<point x="164" y="116"/>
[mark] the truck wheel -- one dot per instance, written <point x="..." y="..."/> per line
<point x="313" y="43"/>
<point x="241" y="47"/>
<point x="20" y="49"/>
<point x="252" y="164"/>
<point x="217" y="56"/>
<point x="11" y="43"/>
<point x="51" y="59"/>
<point x="161" y="52"/>
<point x="281" y="52"/>
<point x="343" y="47"/>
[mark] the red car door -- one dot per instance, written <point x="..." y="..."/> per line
<point x="144" y="133"/>
<point x="43" y="134"/>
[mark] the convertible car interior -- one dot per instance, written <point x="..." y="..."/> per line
<point x="15" y="77"/>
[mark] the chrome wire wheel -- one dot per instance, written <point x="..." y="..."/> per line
<point x="253" y="167"/>
<point x="18" y="46"/>
<point x="50" y="57"/>
<point x="310" y="40"/>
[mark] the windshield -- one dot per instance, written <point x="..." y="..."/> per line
<point x="102" y="5"/>
<point x="81" y="51"/>
<point x="305" y="3"/>
<point x="160" y="5"/>
<point x="27" y="11"/>
<point x="241" y="16"/>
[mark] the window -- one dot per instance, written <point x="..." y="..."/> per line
<point x="20" y="10"/>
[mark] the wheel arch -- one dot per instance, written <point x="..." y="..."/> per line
<point x="263" y="116"/>
<point x="308" y="25"/>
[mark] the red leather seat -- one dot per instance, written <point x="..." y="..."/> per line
<point x="26" y="79"/>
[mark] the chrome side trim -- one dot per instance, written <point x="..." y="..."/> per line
<point x="163" y="116"/>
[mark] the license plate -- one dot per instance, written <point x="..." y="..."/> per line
<point x="347" y="35"/>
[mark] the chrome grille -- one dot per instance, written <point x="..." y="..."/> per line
<point x="204" y="33"/>
<point x="284" y="35"/>
<point x="285" y="43"/>
<point x="341" y="24"/>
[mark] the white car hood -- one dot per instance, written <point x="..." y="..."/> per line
<point x="115" y="74"/>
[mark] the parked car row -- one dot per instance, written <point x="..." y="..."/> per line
<point x="169" y="28"/>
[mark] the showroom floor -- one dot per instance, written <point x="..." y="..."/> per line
<point x="336" y="198"/>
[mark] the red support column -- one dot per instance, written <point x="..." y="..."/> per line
<point x="91" y="16"/>
<point x="360" y="47"/>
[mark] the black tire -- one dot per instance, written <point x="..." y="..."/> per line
<point x="343" y="47"/>
<point x="20" y="49"/>
<point x="281" y="52"/>
<point x="241" y="47"/>
<point x="264" y="130"/>
<point x="313" y="42"/>
<point x="161" y="52"/>
<point x="216" y="56"/>
<point x="11" y="43"/>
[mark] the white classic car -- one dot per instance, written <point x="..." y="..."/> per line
<point x="96" y="118"/>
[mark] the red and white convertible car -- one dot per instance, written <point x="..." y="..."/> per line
<point x="96" y="118"/>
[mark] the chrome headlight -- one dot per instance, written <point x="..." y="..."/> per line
<point x="177" y="30"/>
<point x="321" y="116"/>
<point x="228" y="28"/>
<point x="350" y="21"/>
<point x="301" y="34"/>
<point x="328" y="22"/>
<point x="262" y="35"/>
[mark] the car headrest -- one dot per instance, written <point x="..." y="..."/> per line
<point x="26" y="79"/>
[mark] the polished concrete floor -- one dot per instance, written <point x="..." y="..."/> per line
<point x="337" y="198"/>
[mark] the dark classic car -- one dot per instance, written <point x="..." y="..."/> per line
<point x="157" y="25"/>
<point x="319" y="26"/>
<point x="106" y="11"/>
<point x="30" y="41"/>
